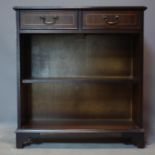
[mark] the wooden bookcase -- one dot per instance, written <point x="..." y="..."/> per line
<point x="80" y="74"/>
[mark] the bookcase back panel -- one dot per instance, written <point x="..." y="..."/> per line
<point x="76" y="100"/>
<point x="81" y="55"/>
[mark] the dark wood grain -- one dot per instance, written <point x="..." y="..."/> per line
<point x="80" y="78"/>
<point x="81" y="56"/>
<point x="35" y="19"/>
<point x="141" y="8"/>
<point x="81" y="31"/>
<point x="81" y="100"/>
<point x="80" y="124"/>
<point x="95" y="79"/>
<point x="111" y="20"/>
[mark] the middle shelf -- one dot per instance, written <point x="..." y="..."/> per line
<point x="81" y="79"/>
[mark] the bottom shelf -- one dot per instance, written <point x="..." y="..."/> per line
<point x="80" y="131"/>
<point x="38" y="131"/>
<point x="78" y="124"/>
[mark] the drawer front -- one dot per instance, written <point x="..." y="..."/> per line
<point x="110" y="19"/>
<point x="48" y="19"/>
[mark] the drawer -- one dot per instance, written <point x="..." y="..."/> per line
<point x="110" y="19"/>
<point x="48" y="19"/>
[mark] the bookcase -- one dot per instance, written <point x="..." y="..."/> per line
<point x="80" y="74"/>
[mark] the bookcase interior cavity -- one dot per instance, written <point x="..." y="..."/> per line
<point x="78" y="55"/>
<point x="78" y="77"/>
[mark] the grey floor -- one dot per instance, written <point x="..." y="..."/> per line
<point x="7" y="146"/>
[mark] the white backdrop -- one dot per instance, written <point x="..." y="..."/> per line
<point x="8" y="95"/>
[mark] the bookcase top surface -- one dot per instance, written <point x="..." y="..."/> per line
<point x="80" y="7"/>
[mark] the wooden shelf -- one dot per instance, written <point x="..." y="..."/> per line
<point x="22" y="31"/>
<point x="78" y="124"/>
<point x="84" y="79"/>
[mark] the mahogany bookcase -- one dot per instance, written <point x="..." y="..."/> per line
<point x="80" y="74"/>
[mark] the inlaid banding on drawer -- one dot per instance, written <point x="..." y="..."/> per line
<point x="110" y="19"/>
<point x="47" y="19"/>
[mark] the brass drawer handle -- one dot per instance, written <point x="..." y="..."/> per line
<point x="111" y="20"/>
<point x="46" y="21"/>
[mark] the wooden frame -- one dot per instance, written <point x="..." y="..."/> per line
<point x="80" y="83"/>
